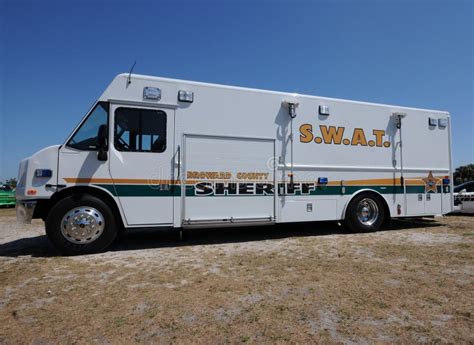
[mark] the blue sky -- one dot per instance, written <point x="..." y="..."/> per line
<point x="57" y="57"/>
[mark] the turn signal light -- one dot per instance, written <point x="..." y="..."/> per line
<point x="31" y="192"/>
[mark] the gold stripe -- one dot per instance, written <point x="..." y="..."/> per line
<point x="118" y="180"/>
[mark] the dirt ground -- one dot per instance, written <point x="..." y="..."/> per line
<point x="413" y="282"/>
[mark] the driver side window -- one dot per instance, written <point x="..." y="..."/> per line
<point x="140" y="130"/>
<point x="85" y="137"/>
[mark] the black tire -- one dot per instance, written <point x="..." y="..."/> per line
<point x="353" y="219"/>
<point x="54" y="225"/>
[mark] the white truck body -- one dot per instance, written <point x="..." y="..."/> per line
<point x="227" y="156"/>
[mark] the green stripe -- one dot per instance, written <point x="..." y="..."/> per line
<point x="142" y="190"/>
<point x="134" y="190"/>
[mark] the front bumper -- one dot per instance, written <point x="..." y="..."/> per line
<point x="25" y="210"/>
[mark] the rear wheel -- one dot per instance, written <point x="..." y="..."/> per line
<point x="81" y="224"/>
<point x="365" y="213"/>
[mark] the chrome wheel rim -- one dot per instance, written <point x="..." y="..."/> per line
<point x="82" y="225"/>
<point x="367" y="211"/>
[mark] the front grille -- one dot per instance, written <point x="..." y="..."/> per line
<point x="464" y="197"/>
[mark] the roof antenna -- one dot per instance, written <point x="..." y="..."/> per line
<point x="129" y="79"/>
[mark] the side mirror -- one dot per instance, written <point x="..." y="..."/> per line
<point x="102" y="143"/>
<point x="463" y="191"/>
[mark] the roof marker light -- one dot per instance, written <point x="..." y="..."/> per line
<point x="185" y="96"/>
<point x="151" y="93"/>
<point x="324" y="110"/>
<point x="442" y="123"/>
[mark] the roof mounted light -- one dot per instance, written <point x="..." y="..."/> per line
<point x="291" y="105"/>
<point x="151" y="93"/>
<point x="442" y="122"/>
<point x="432" y="122"/>
<point x="324" y="110"/>
<point x="185" y="96"/>
<point x="398" y="117"/>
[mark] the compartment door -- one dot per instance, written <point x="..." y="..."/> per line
<point x="424" y="195"/>
<point x="228" y="180"/>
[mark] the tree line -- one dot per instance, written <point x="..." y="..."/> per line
<point x="463" y="174"/>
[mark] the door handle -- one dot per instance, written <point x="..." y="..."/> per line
<point x="178" y="177"/>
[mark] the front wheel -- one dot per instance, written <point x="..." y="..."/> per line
<point x="81" y="224"/>
<point x="365" y="213"/>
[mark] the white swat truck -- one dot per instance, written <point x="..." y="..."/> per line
<point x="156" y="152"/>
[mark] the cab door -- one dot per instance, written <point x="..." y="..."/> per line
<point x="141" y="163"/>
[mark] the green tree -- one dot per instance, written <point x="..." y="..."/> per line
<point x="11" y="182"/>
<point x="464" y="173"/>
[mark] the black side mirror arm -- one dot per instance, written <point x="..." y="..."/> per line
<point x="102" y="143"/>
<point x="102" y="154"/>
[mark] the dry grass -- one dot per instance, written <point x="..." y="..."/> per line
<point x="292" y="283"/>
<point x="7" y="212"/>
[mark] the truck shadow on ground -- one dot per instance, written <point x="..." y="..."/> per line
<point x="138" y="239"/>
<point x="151" y="238"/>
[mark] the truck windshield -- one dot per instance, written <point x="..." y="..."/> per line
<point x="85" y="137"/>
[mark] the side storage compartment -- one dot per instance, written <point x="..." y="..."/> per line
<point x="308" y="210"/>
<point x="227" y="180"/>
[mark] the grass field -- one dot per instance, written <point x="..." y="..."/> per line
<point x="295" y="283"/>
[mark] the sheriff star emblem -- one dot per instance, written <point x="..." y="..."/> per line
<point x="430" y="183"/>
